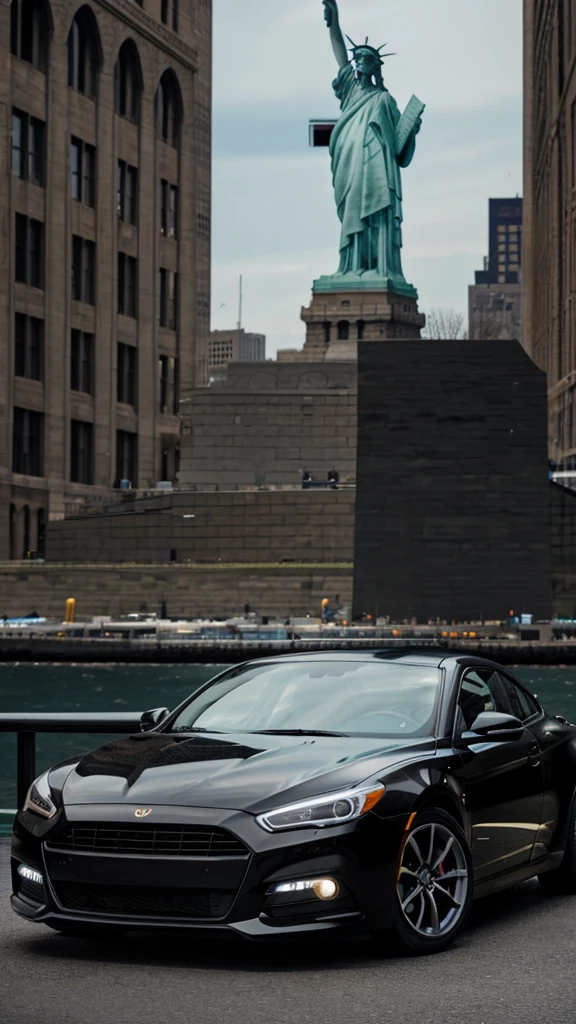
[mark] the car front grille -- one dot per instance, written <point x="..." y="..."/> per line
<point x="150" y="840"/>
<point x="144" y="901"/>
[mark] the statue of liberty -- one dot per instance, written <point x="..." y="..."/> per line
<point x="369" y="145"/>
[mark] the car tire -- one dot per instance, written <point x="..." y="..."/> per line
<point x="429" y="917"/>
<point x="562" y="881"/>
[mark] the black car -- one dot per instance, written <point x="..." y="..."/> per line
<point x="309" y="796"/>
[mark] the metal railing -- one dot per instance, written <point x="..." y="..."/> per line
<point x="27" y="725"/>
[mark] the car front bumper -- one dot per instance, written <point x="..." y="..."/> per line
<point x="362" y="857"/>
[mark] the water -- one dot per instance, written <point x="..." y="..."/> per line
<point x="139" y="687"/>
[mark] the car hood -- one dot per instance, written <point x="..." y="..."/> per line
<point x="241" y="772"/>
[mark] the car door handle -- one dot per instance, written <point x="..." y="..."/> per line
<point x="535" y="757"/>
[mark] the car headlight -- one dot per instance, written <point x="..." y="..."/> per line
<point x="39" y="798"/>
<point x="332" y="809"/>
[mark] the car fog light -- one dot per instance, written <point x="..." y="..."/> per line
<point x="30" y="875"/>
<point x="326" y="889"/>
<point x="323" y="888"/>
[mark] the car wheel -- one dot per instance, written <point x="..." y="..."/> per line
<point x="435" y="884"/>
<point x="562" y="881"/>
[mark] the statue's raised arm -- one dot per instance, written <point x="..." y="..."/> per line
<point x="336" y="37"/>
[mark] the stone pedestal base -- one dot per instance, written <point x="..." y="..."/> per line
<point x="336" y="321"/>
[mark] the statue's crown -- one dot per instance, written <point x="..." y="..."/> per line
<point x="366" y="48"/>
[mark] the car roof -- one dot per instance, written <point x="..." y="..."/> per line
<point x="404" y="655"/>
<point x="424" y="656"/>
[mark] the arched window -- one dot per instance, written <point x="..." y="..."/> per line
<point x="84" y="53"/>
<point x="30" y="31"/>
<point x="40" y="532"/>
<point x="12" y="532"/>
<point x="169" y="109"/>
<point x="26" y="548"/>
<point x="343" y="330"/>
<point x="326" y="326"/>
<point x="128" y="82"/>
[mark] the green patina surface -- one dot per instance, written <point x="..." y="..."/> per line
<point x="370" y="144"/>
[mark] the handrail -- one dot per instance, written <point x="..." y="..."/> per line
<point x="27" y="724"/>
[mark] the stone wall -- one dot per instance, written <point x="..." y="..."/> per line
<point x="563" y="518"/>
<point x="188" y="592"/>
<point x="234" y="527"/>
<point x="269" y="424"/>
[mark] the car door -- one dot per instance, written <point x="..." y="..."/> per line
<point x="527" y="709"/>
<point x="504" y="780"/>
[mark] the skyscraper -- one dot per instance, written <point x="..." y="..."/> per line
<point x="550" y="211"/>
<point x="495" y="297"/>
<point x="105" y="234"/>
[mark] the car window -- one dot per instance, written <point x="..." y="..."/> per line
<point x="480" y="690"/>
<point x="522" y="705"/>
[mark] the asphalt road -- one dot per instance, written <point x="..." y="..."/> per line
<point x="514" y="965"/>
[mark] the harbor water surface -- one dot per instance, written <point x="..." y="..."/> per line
<point x="140" y="687"/>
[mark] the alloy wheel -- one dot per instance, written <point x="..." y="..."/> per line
<point x="433" y="880"/>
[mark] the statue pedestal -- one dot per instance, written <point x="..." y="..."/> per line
<point x="336" y="320"/>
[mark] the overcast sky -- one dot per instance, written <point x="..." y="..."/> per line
<point x="274" y="219"/>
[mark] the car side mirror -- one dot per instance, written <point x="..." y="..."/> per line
<point x="150" y="719"/>
<point x="493" y="726"/>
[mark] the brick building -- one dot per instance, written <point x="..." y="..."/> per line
<point x="104" y="295"/>
<point x="549" y="258"/>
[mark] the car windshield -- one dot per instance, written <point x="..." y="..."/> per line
<point x="346" y="697"/>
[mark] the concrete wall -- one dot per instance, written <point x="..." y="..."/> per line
<point x="236" y="527"/>
<point x="452" y="515"/>
<point x="188" y="592"/>
<point x="269" y="424"/>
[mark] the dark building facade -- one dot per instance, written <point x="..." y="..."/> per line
<point x="105" y="236"/>
<point x="495" y="298"/>
<point x="550" y="211"/>
<point x="453" y="506"/>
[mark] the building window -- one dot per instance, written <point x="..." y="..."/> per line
<point x="81" y="452"/>
<point x="127" y="284"/>
<point x="83" y="172"/>
<point x="29" y="251"/>
<point x="26" y="524"/>
<point x="27" y="442"/>
<point x="83" y="270"/>
<point x="168" y="109"/>
<point x="82" y="53"/>
<point x="164" y="11"/>
<point x="168" y="209"/>
<point x="27" y="147"/>
<point x="126" y="465"/>
<point x="82" y="362"/>
<point x="28" y="347"/>
<point x="127" y="192"/>
<point x="30" y="32"/>
<point x="126" y="379"/>
<point x="40" y="532"/>
<point x="176" y="386"/>
<point x="127" y="82"/>
<point x="360" y="324"/>
<point x="168" y="299"/>
<point x="163" y="382"/>
<point x="343" y="330"/>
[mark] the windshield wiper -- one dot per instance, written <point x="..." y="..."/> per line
<point x="297" y="732"/>
<point x="196" y="728"/>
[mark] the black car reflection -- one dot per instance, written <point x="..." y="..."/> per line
<point x="309" y="795"/>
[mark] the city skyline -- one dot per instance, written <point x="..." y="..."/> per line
<point x="470" y="148"/>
